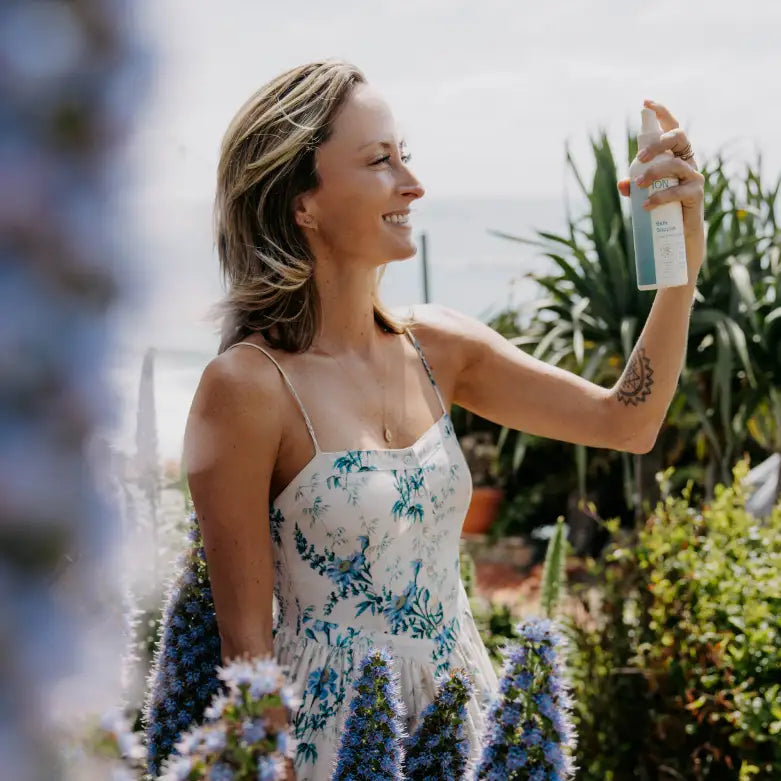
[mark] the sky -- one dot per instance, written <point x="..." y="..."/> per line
<point x="487" y="95"/>
<point x="487" y="92"/>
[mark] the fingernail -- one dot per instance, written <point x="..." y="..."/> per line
<point x="639" y="179"/>
<point x="643" y="154"/>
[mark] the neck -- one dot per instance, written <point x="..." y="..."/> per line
<point x="347" y="326"/>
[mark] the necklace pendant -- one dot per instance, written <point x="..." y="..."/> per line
<point x="387" y="434"/>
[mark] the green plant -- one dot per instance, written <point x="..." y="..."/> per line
<point x="678" y="640"/>
<point x="468" y="572"/>
<point x="554" y="569"/>
<point x="591" y="311"/>
<point x="590" y="314"/>
<point x="734" y="360"/>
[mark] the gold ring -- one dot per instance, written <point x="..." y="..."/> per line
<point x="685" y="154"/>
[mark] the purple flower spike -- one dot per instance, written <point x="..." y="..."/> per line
<point x="238" y="742"/>
<point x="371" y="745"/>
<point x="529" y="735"/>
<point x="183" y="676"/>
<point x="439" y="749"/>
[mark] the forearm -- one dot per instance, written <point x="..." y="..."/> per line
<point x="644" y="391"/>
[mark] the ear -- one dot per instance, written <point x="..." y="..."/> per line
<point x="302" y="212"/>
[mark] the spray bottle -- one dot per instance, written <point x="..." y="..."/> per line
<point x="660" y="249"/>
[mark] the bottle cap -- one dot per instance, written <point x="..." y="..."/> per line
<point x="650" y="129"/>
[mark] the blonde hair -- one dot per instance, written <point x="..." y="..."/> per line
<point x="267" y="158"/>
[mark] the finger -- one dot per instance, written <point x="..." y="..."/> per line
<point x="666" y="119"/>
<point x="624" y="187"/>
<point x="668" y="166"/>
<point x="674" y="141"/>
<point x="687" y="193"/>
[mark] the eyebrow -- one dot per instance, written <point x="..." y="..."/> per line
<point x="386" y="144"/>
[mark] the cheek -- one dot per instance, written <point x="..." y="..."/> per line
<point x="352" y="207"/>
<point x="357" y="211"/>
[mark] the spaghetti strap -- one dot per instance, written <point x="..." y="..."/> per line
<point x="426" y="366"/>
<point x="289" y="385"/>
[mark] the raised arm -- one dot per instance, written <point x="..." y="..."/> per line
<point x="502" y="383"/>
<point x="231" y="441"/>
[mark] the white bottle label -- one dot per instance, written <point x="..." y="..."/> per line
<point x="668" y="237"/>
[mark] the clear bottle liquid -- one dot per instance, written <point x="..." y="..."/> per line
<point x="660" y="247"/>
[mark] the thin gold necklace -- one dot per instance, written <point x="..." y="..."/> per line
<point x="385" y="428"/>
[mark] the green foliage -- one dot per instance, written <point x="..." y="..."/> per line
<point x="496" y="625"/>
<point x="678" y="635"/>
<point x="553" y="570"/>
<point x="590" y="313"/>
<point x="468" y="572"/>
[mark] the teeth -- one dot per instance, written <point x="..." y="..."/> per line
<point x="398" y="219"/>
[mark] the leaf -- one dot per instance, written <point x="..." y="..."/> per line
<point x="742" y="280"/>
<point x="735" y="249"/>
<point x="574" y="169"/>
<point x="545" y="343"/>
<point x="577" y="334"/>
<point x="697" y="704"/>
<point x="595" y="361"/>
<point x="579" y="283"/>
<point x="739" y="342"/>
<point x="697" y="405"/>
<point x="521" y="446"/>
<point x="581" y="461"/>
<point x="628" y="328"/>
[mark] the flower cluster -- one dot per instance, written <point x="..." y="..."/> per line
<point x="371" y="744"/>
<point x="116" y="731"/>
<point x="244" y="736"/>
<point x="101" y="746"/>
<point x="183" y="677"/>
<point x="438" y="749"/>
<point x="529" y="735"/>
<point x="71" y="83"/>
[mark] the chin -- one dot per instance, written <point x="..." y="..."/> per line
<point x="400" y="254"/>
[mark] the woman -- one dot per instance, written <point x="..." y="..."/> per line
<point x="321" y="457"/>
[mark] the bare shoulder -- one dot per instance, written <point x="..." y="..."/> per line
<point x="237" y="376"/>
<point x="237" y="403"/>
<point x="444" y="329"/>
<point x="435" y="322"/>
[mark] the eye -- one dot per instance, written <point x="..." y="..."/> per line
<point x="404" y="159"/>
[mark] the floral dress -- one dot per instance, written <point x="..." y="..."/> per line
<point x="366" y="551"/>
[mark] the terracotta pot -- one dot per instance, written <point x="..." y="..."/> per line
<point x="483" y="509"/>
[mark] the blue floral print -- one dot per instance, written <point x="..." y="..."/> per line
<point x="366" y="553"/>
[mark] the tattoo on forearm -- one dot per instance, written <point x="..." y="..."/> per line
<point x="637" y="379"/>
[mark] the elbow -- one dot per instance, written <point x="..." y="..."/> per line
<point x="627" y="433"/>
<point x="641" y="448"/>
<point x="643" y="443"/>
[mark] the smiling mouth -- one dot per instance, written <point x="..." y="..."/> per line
<point x="397" y="220"/>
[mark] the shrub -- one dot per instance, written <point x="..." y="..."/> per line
<point x="678" y="662"/>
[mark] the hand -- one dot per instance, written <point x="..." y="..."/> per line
<point x="690" y="190"/>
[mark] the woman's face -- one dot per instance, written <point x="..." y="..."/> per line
<point x="364" y="176"/>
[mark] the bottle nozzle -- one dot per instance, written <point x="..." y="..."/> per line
<point x="650" y="129"/>
<point x="650" y="124"/>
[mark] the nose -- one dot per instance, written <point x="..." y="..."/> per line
<point x="414" y="188"/>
